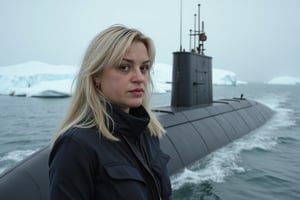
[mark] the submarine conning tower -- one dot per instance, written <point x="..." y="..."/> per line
<point x="192" y="79"/>
<point x="192" y="71"/>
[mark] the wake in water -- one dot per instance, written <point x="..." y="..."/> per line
<point x="227" y="161"/>
<point x="9" y="159"/>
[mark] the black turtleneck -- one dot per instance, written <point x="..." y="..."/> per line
<point x="129" y="124"/>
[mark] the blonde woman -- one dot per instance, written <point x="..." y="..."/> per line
<point x="108" y="144"/>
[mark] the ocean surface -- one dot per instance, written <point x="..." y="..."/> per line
<point x="263" y="165"/>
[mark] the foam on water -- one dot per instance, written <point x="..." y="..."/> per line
<point x="227" y="160"/>
<point x="14" y="157"/>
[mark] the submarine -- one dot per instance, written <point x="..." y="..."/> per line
<point x="196" y="124"/>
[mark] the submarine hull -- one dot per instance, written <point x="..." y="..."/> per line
<point x="194" y="132"/>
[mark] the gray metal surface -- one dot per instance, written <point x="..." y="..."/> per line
<point x="192" y="79"/>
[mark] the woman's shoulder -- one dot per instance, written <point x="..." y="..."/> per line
<point x="82" y="133"/>
<point x="80" y="140"/>
<point x="84" y="137"/>
<point x="76" y="145"/>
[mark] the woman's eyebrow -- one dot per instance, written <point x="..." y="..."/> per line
<point x="131" y="61"/>
<point x="127" y="60"/>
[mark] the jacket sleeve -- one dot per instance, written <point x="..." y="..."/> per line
<point x="70" y="171"/>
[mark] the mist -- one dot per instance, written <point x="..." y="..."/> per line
<point x="256" y="39"/>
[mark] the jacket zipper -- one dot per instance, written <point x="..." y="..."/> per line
<point x="144" y="165"/>
<point x="157" y="184"/>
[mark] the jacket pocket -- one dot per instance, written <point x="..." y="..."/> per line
<point x="124" y="172"/>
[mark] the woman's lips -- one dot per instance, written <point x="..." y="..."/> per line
<point x="137" y="92"/>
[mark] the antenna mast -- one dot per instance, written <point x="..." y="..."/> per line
<point x="180" y="25"/>
<point x="197" y="32"/>
<point x="199" y="18"/>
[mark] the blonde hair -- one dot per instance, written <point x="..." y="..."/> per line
<point x="88" y="105"/>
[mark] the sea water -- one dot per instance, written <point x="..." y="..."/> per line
<point x="264" y="164"/>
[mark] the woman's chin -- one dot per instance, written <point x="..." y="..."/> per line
<point x="135" y="104"/>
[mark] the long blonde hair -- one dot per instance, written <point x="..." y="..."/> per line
<point x="88" y="105"/>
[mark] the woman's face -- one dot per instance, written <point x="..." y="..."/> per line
<point x="125" y="85"/>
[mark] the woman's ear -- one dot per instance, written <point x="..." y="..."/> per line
<point x="97" y="80"/>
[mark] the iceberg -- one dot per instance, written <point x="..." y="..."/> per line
<point x="284" y="80"/>
<point x="224" y="77"/>
<point x="162" y="77"/>
<point x="38" y="79"/>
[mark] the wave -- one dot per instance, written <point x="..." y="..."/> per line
<point x="227" y="161"/>
<point x="10" y="158"/>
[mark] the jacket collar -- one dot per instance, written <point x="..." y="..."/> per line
<point x="129" y="124"/>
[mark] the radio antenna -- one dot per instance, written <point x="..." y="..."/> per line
<point x="180" y="25"/>
<point x="195" y="30"/>
<point x="199" y="19"/>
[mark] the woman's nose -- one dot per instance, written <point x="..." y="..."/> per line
<point x="138" y="75"/>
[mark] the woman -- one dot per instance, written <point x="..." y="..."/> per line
<point x="108" y="145"/>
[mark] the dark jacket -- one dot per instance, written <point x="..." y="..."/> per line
<point x="84" y="165"/>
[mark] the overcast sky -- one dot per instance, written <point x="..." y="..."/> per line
<point x="256" y="39"/>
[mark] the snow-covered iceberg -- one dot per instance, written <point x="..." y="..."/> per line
<point x="37" y="79"/>
<point x="284" y="80"/>
<point x="224" y="77"/>
<point x="162" y="77"/>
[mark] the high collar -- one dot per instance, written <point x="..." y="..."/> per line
<point x="129" y="124"/>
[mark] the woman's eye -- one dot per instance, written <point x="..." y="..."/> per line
<point x="124" y="68"/>
<point x="145" y="68"/>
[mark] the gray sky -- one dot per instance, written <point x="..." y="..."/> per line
<point x="256" y="39"/>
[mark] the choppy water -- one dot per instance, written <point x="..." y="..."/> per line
<point x="262" y="165"/>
